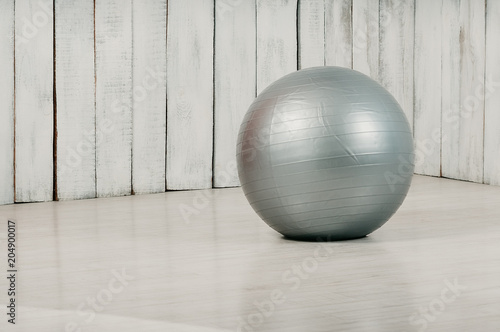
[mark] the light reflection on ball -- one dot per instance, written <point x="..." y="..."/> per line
<point x="325" y="152"/>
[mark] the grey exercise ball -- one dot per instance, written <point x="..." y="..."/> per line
<point x="325" y="153"/>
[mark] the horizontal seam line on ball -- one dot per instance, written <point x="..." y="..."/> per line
<point x="329" y="190"/>
<point x="312" y="138"/>
<point x="312" y="182"/>
<point x="333" y="209"/>
<point x="315" y="170"/>
<point x="334" y="92"/>
<point x="343" y="156"/>
<point x="321" y="126"/>
<point x="330" y="223"/>
<point x="349" y="113"/>
<point x="327" y="200"/>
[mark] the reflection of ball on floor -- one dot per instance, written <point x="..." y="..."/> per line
<point x="325" y="152"/>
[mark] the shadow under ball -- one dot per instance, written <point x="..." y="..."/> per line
<point x="325" y="153"/>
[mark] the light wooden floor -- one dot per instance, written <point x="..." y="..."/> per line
<point x="435" y="266"/>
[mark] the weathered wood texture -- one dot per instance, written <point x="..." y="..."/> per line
<point x="149" y="96"/>
<point x="276" y="40"/>
<point x="427" y="85"/>
<point x="235" y="82"/>
<point x="75" y="98"/>
<point x="190" y="38"/>
<point x="397" y="33"/>
<point x="113" y="25"/>
<point x="311" y="38"/>
<point x="34" y="102"/>
<point x="450" y="91"/>
<point x="338" y="33"/>
<point x="365" y="37"/>
<point x="464" y="62"/>
<point x="492" y="95"/>
<point x="7" y="102"/>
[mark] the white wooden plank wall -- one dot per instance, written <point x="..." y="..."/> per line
<point x="153" y="98"/>
<point x="34" y="102"/>
<point x="235" y="81"/>
<point x="190" y="38"/>
<point x="427" y="71"/>
<point x="365" y="37"/>
<point x="113" y="24"/>
<point x="75" y="98"/>
<point x="470" y="157"/>
<point x="492" y="95"/>
<point x="7" y="102"/>
<point x="450" y="79"/>
<point x="311" y="26"/>
<point x="397" y="31"/>
<point x="276" y="40"/>
<point x="338" y="33"/>
<point x="149" y="96"/>
<point x="463" y="134"/>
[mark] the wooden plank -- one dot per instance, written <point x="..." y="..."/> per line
<point x="397" y="29"/>
<point x="34" y="102"/>
<point x="427" y="71"/>
<point x="235" y="82"/>
<point x="492" y="94"/>
<point x="190" y="94"/>
<point x="450" y="98"/>
<point x="311" y="33"/>
<point x="471" y="144"/>
<point x="365" y="37"/>
<point x="338" y="33"/>
<point x="75" y="96"/>
<point x="113" y="25"/>
<point x="276" y="40"/>
<point x="463" y="147"/>
<point x="149" y="93"/>
<point x="7" y="102"/>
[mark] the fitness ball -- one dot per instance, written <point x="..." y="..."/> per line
<point x="325" y="153"/>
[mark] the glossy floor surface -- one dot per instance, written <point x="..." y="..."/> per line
<point x="203" y="261"/>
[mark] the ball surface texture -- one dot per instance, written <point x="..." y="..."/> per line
<point x="325" y="153"/>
